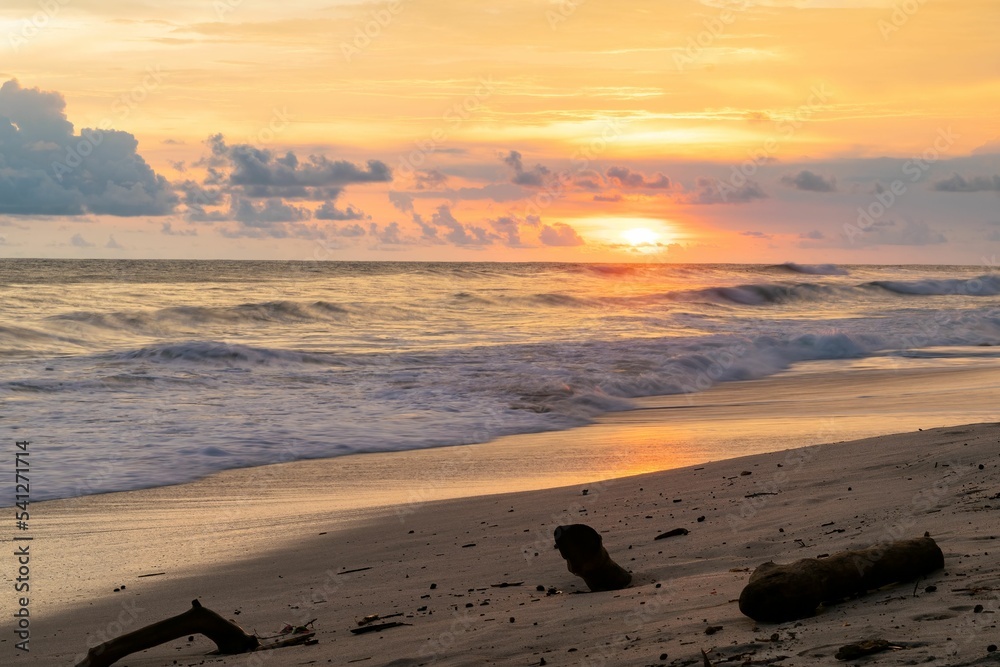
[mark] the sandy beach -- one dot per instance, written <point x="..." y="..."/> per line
<point x="440" y="564"/>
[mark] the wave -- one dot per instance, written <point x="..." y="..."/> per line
<point x="227" y="354"/>
<point x="985" y="285"/>
<point x="812" y="269"/>
<point x="193" y="316"/>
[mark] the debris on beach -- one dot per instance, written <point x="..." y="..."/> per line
<point x="586" y="557"/>
<point x="229" y="638"/>
<point x="861" y="649"/>
<point x="377" y="628"/>
<point x="672" y="533"/>
<point x="779" y="593"/>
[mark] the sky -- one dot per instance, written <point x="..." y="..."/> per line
<point x="845" y="131"/>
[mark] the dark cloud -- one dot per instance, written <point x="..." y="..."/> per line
<point x="47" y="169"/>
<point x="756" y="235"/>
<point x="958" y="183"/>
<point x="329" y="211"/>
<point x="712" y="191"/>
<point x="267" y="219"/>
<point x="559" y="234"/>
<point x="626" y="178"/>
<point x="535" y="177"/>
<point x="810" y="181"/>
<point x="261" y="173"/>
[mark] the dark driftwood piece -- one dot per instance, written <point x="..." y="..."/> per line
<point x="586" y="557"/>
<point x="779" y="593"/>
<point x="228" y="637"/>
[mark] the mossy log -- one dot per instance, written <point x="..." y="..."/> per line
<point x="779" y="593"/>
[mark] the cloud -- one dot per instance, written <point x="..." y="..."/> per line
<point x="48" y="169"/>
<point x="614" y="197"/>
<point x="459" y="234"/>
<point x="534" y="178"/>
<point x="113" y="244"/>
<point x="815" y="235"/>
<point x="712" y="191"/>
<point x="329" y="211"/>
<point x="429" y="179"/>
<point x="509" y="231"/>
<point x="889" y="232"/>
<point x="559" y="234"/>
<point x="810" y="182"/>
<point x="989" y="148"/>
<point x="756" y="235"/>
<point x="79" y="242"/>
<point x="389" y="234"/>
<point x="626" y="178"/>
<point x="168" y="229"/>
<point x="262" y="173"/>
<point x="958" y="183"/>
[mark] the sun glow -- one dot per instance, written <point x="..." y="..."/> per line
<point x="640" y="236"/>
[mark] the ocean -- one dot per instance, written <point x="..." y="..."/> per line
<point x="136" y="374"/>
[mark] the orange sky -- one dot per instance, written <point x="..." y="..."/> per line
<point x="724" y="130"/>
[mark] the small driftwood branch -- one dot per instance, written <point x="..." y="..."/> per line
<point x="228" y="637"/>
<point x="586" y="557"/>
<point x="779" y="593"/>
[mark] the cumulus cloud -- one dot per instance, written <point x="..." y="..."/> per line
<point x="535" y="177"/>
<point x="389" y="234"/>
<point x="458" y="234"/>
<point x="810" y="181"/>
<point x="959" y="183"/>
<point x="626" y="178"/>
<point x="48" y="169"/>
<point x="263" y="173"/>
<point x="329" y="211"/>
<point x="559" y="234"/>
<point x="113" y="244"/>
<point x="712" y="191"/>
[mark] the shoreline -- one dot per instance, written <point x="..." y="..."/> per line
<point x="856" y="485"/>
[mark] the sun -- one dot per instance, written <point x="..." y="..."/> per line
<point x="640" y="236"/>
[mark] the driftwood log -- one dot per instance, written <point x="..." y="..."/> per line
<point x="779" y="593"/>
<point x="228" y="637"/>
<point x="586" y="557"/>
